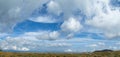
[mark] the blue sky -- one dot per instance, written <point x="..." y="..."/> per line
<point x="59" y="25"/>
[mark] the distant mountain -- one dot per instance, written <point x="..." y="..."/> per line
<point x="0" y="50"/>
<point x="105" y="50"/>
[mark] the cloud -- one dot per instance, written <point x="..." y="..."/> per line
<point x="106" y="19"/>
<point x="32" y="41"/>
<point x="53" y="7"/>
<point x="93" y="45"/>
<point x="71" y="25"/>
<point x="42" y="35"/>
<point x="16" y="48"/>
<point x="71" y="6"/>
<point x="98" y="45"/>
<point x="13" y="12"/>
<point x="101" y="15"/>
<point x="44" y="19"/>
<point x="21" y="43"/>
<point x="98" y="14"/>
<point x="112" y="35"/>
<point x="68" y="50"/>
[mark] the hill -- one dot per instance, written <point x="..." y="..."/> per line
<point x="0" y="50"/>
<point x="105" y="50"/>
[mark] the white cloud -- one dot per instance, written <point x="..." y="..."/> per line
<point x="42" y="35"/>
<point x="20" y="43"/>
<point x="106" y="19"/>
<point x="97" y="45"/>
<point x="43" y="19"/>
<point x="12" y="12"/>
<point x="71" y="25"/>
<point x="101" y="43"/>
<point x="101" y="15"/>
<point x="93" y="45"/>
<point x="69" y="7"/>
<point x="112" y="35"/>
<point x="68" y="50"/>
<point x="16" y="48"/>
<point x="54" y="34"/>
<point x="53" y="7"/>
<point x="58" y="44"/>
<point x="29" y="41"/>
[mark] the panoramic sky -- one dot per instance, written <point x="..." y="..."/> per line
<point x="59" y="25"/>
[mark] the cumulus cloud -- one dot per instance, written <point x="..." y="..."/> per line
<point x="53" y="7"/>
<point x="71" y="25"/>
<point x="106" y="19"/>
<point x="12" y="12"/>
<point x="101" y="15"/>
<point x="68" y="8"/>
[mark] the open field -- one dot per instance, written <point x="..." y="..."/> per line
<point x="94" y="54"/>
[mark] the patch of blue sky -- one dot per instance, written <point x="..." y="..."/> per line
<point x="115" y="3"/>
<point x="91" y="35"/>
<point x="30" y="26"/>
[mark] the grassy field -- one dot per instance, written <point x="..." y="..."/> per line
<point x="94" y="54"/>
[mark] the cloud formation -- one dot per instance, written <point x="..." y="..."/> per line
<point x="101" y="15"/>
<point x="20" y="43"/>
<point x="71" y="25"/>
<point x="106" y="19"/>
<point x="13" y="12"/>
<point x="41" y="35"/>
<point x="32" y="41"/>
<point x="53" y="7"/>
<point x="77" y="16"/>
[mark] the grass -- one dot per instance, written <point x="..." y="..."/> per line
<point x="94" y="54"/>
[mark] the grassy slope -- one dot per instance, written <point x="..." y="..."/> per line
<point x="95" y="54"/>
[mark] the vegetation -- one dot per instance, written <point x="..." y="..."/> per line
<point x="0" y="49"/>
<point x="94" y="54"/>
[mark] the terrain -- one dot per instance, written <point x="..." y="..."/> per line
<point x="104" y="53"/>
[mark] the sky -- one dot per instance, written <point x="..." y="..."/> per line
<point x="59" y="25"/>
